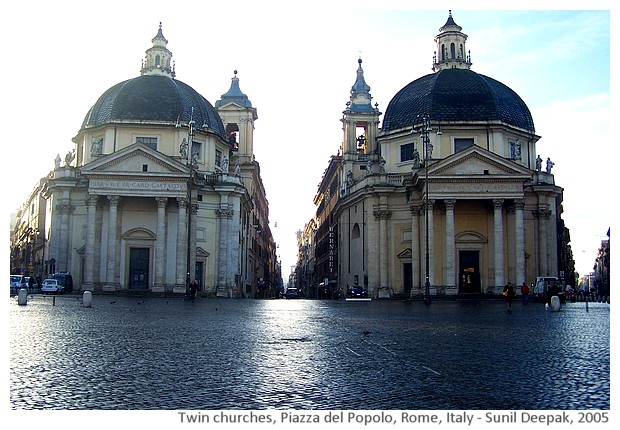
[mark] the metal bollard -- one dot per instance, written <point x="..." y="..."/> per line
<point x="555" y="303"/>
<point x="22" y="297"/>
<point x="87" y="299"/>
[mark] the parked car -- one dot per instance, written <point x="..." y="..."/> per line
<point x="292" y="293"/>
<point x="17" y="282"/>
<point x="65" y="280"/>
<point x="51" y="286"/>
<point x="356" y="292"/>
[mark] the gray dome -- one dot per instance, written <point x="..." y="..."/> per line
<point x="152" y="99"/>
<point x="458" y="95"/>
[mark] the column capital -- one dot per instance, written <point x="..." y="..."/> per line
<point x="519" y="204"/>
<point x="113" y="199"/>
<point x="449" y="204"/>
<point x="182" y="202"/>
<point x="430" y="204"/>
<point x="541" y="213"/>
<point x="498" y="203"/>
<point x="161" y="201"/>
<point x="416" y="208"/>
<point x="382" y="213"/>
<point x="92" y="199"/>
<point x="224" y="213"/>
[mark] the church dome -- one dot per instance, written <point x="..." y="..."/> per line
<point x="457" y="95"/>
<point x="156" y="100"/>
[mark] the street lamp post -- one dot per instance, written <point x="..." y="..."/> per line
<point x="186" y="150"/>
<point x="428" y="149"/>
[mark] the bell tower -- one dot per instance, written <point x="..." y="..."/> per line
<point x="238" y="116"/>
<point x="450" y="52"/>
<point x="360" y="120"/>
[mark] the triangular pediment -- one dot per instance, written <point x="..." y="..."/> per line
<point x="231" y="106"/>
<point x="132" y="159"/>
<point x="477" y="161"/>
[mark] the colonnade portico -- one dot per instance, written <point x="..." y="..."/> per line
<point x="448" y="258"/>
<point x="109" y="236"/>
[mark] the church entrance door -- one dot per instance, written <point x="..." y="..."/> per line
<point x="469" y="272"/>
<point x="138" y="268"/>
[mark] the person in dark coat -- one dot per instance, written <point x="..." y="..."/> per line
<point x="193" y="287"/>
<point x="509" y="293"/>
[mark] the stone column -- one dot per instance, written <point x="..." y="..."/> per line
<point x="111" y="266"/>
<point x="373" y="256"/>
<point x="542" y="214"/>
<point x="552" y="240"/>
<point x="224" y="214"/>
<point x="62" y="264"/>
<point x="181" y="244"/>
<point x="382" y="214"/>
<point x="192" y="235"/>
<point x="431" y="244"/>
<point x="450" y="266"/>
<point x="415" y="251"/>
<point x="498" y="239"/>
<point x="160" y="246"/>
<point x="519" y="243"/>
<point x="89" y="257"/>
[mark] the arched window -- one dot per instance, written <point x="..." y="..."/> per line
<point x="355" y="232"/>
<point x="443" y="52"/>
<point x="452" y="51"/>
<point x="157" y="61"/>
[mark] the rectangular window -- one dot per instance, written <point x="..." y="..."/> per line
<point x="151" y="142"/>
<point x="218" y="158"/>
<point x="462" y="143"/>
<point x="406" y="152"/>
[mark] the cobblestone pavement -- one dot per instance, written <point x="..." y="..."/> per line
<point x="157" y="353"/>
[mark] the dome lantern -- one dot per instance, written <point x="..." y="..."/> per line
<point x="157" y="60"/>
<point x="451" y="52"/>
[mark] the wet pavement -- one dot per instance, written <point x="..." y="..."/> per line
<point x="158" y="353"/>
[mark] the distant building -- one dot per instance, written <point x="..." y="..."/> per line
<point x="161" y="187"/>
<point x="457" y="152"/>
<point x="602" y="279"/>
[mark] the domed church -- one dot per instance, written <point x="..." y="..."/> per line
<point x="448" y="197"/>
<point x="161" y="188"/>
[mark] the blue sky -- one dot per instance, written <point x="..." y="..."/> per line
<point x="297" y="65"/>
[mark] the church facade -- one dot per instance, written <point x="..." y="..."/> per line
<point x="448" y="197"/>
<point x="161" y="188"/>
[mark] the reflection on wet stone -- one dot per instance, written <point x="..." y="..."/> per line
<point x="302" y="354"/>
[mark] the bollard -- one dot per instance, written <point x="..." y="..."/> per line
<point x="87" y="299"/>
<point x="22" y="297"/>
<point x="555" y="303"/>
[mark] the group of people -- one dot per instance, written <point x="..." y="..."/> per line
<point x="509" y="293"/>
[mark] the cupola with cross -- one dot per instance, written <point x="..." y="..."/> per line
<point x="450" y="52"/>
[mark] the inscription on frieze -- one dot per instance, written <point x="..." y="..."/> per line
<point x="123" y="184"/>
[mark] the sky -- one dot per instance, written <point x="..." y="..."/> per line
<point x="297" y="62"/>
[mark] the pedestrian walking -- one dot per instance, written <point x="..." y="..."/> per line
<point x="525" y="291"/>
<point x="509" y="293"/>
<point x="193" y="287"/>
